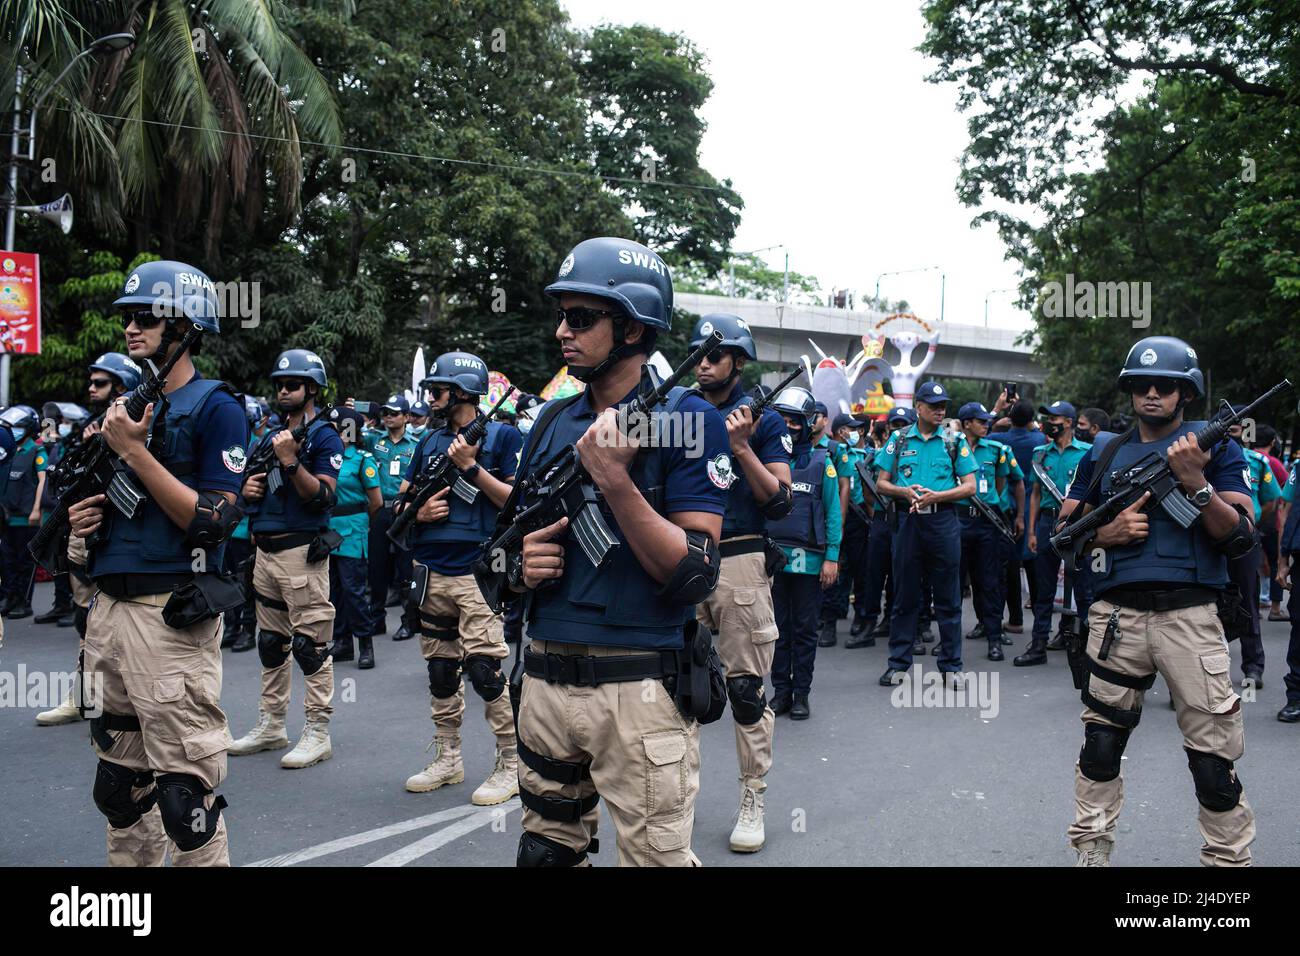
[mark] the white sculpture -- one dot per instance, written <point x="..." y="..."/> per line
<point x="840" y="385"/>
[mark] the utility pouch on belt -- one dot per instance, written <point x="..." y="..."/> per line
<point x="1232" y="614"/>
<point x="1076" y="650"/>
<point x="700" y="685"/>
<point x="322" y="545"/>
<point x="419" y="584"/>
<point x="773" y="557"/>
<point x="202" y="599"/>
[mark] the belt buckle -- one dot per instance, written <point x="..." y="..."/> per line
<point x="584" y="671"/>
<point x="553" y="669"/>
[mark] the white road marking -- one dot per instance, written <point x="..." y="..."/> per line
<point x="422" y="847"/>
<point x="367" y="836"/>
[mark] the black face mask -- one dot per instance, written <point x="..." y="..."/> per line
<point x="1053" y="430"/>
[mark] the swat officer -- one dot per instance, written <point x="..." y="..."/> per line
<point x="1054" y="465"/>
<point x="392" y="452"/>
<point x="111" y="376"/>
<point x="22" y="509"/>
<point x="880" y="575"/>
<point x="593" y="718"/>
<point x="459" y="634"/>
<point x="937" y="474"/>
<point x="356" y="498"/>
<point x="289" y="509"/>
<point x="810" y="537"/>
<point x="739" y="611"/>
<point x="161" y="737"/>
<point x="1156" y="609"/>
<point x="981" y="543"/>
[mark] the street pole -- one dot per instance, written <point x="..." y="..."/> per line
<point x="785" y="282"/>
<point x="943" y="283"/>
<point x="11" y="210"/>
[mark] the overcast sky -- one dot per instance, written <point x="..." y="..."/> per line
<point x="822" y="118"/>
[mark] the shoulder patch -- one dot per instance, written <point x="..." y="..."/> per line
<point x="889" y="449"/>
<point x="1268" y="475"/>
<point x="336" y="462"/>
<point x="40" y="459"/>
<point x="720" y="472"/>
<point x="787" y="443"/>
<point x="234" y="459"/>
<point x="965" y="452"/>
<point x="370" y="471"/>
<point x="830" y="469"/>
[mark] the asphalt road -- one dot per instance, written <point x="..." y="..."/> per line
<point x="864" y="782"/>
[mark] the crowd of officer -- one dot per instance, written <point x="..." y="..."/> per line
<point x="266" y="525"/>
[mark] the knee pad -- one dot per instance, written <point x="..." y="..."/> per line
<point x="1103" y="746"/>
<point x="112" y="793"/>
<point x="535" y="850"/>
<point x="444" y="676"/>
<point x="187" y="821"/>
<point x="485" y="674"/>
<point x="309" y="657"/>
<point x="271" y="648"/>
<point x="747" y="700"/>
<point x="1217" y="788"/>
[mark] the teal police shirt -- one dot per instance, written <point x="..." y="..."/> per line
<point x="990" y="464"/>
<point x="1263" y="486"/>
<point x="357" y="474"/>
<point x="1060" y="467"/>
<point x="392" y="459"/>
<point x="912" y="459"/>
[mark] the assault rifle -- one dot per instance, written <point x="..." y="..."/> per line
<point x="757" y="406"/>
<point x="561" y="487"/>
<point x="439" y="473"/>
<point x="94" y="468"/>
<point x="263" y="461"/>
<point x="1151" y="474"/>
<point x="1046" y="480"/>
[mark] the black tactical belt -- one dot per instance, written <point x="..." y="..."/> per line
<point x="731" y="547"/>
<point x="270" y="601"/>
<point x="584" y="671"/>
<point x="440" y="627"/>
<point x="561" y="809"/>
<point x="283" y="542"/>
<point x="126" y="586"/>
<point x="342" y="511"/>
<point x="1170" y="600"/>
<point x="101" y="725"/>
<point x="1049" y="511"/>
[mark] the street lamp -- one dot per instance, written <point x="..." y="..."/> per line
<point x="943" y="283"/>
<point x="992" y="293"/>
<point x="105" y="44"/>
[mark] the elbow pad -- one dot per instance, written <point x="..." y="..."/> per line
<point x="779" y="505"/>
<point x="323" y="500"/>
<point x="1241" y="539"/>
<point x="696" y="575"/>
<point x="214" y="521"/>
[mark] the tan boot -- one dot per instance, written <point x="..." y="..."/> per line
<point x="1094" y="853"/>
<point x="65" y="713"/>
<point x="446" y="768"/>
<point x="748" y="835"/>
<point x="267" y="734"/>
<point x="502" y="783"/>
<point x="312" y="747"/>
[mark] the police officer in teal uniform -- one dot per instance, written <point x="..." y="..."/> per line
<point x="1287" y="559"/>
<point x="1011" y="502"/>
<point x="880" y="549"/>
<point x="1244" y="571"/>
<point x="847" y="432"/>
<point x="22" y="509"/>
<point x="392" y="452"/>
<point x="981" y="544"/>
<point x="1058" y="458"/>
<point x="928" y="475"/>
<point x="356" y="498"/>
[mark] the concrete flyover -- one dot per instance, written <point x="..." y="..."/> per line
<point x="782" y="333"/>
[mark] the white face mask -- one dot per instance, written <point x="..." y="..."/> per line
<point x="852" y="438"/>
<point x="19" y="434"/>
<point x="65" y="430"/>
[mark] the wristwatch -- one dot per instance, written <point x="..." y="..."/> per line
<point x="470" y="473"/>
<point x="291" y="468"/>
<point x="1202" y="498"/>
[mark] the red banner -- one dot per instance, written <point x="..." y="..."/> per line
<point x="20" y="303"/>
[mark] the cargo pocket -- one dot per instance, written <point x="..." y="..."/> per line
<point x="665" y="789"/>
<point x="167" y="690"/>
<point x="1219" y="695"/>
<point x="765" y="635"/>
<point x="208" y="742"/>
<point x="309" y="603"/>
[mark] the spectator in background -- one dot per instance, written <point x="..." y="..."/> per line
<point x="1023" y="438"/>
<point x="1265" y="440"/>
<point x="1091" y="421"/>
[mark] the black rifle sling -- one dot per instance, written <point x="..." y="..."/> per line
<point x="1107" y="456"/>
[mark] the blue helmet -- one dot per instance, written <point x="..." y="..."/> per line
<point x="253" y="410"/>
<point x="172" y="290"/>
<point x="120" y="367"/>
<point x="797" y="402"/>
<point x="1163" y="356"/>
<point x="734" y="329"/>
<point x="623" y="271"/>
<point x="300" y="363"/>
<point x="465" y="370"/>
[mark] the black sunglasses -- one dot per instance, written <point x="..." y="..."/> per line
<point x="100" y="383"/>
<point x="582" y="318"/>
<point x="1165" y="386"/>
<point x="143" y="318"/>
<point x="437" y="391"/>
<point x="290" y="384"/>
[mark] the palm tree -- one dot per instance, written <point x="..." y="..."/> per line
<point x="206" y="114"/>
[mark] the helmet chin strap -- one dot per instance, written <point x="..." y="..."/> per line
<point x="589" y="373"/>
<point x="724" y="384"/>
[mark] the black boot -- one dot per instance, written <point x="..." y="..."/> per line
<point x="827" y="638"/>
<point x="1290" y="714"/>
<point x="860" y="623"/>
<point x="19" y="612"/>
<point x="367" y="658"/>
<point x="1058" y="641"/>
<point x="68" y="619"/>
<point x="862" y="637"/>
<point x="381" y="624"/>
<point x="342" y="649"/>
<point x="229" y="635"/>
<point x="995" y="650"/>
<point x="799" y="709"/>
<point x="977" y="632"/>
<point x="925" y="634"/>
<point x="246" y="641"/>
<point x="781" y="704"/>
<point x="53" y="614"/>
<point x="881" y="629"/>
<point x="918" y="647"/>
<point x="1035" y="653"/>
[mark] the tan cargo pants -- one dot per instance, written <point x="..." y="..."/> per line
<point x="740" y="612"/>
<point x="1188" y="649"/>
<point x="456" y="622"/>
<point x="286" y="578"/>
<point x="644" y="759"/>
<point x="82" y="591"/>
<point x="171" y="681"/>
